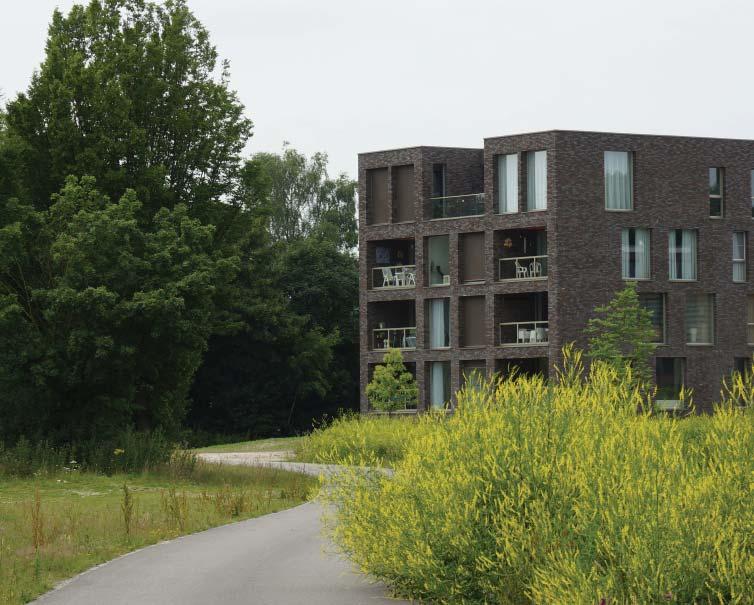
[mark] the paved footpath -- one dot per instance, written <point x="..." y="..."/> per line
<point x="277" y="559"/>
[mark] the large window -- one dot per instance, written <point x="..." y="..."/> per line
<point x="700" y="319"/>
<point x="635" y="253"/>
<point x="473" y="373"/>
<point x="682" y="254"/>
<point x="439" y="383"/>
<point x="438" y="261"/>
<point x="739" y="256"/>
<point x="536" y="180"/>
<point x="669" y="378"/>
<point x="438" y="180"/>
<point x="743" y="365"/>
<point x="716" y="188"/>
<point x="655" y="304"/>
<point x="619" y="180"/>
<point x="438" y="314"/>
<point x="750" y="320"/>
<point x="471" y="251"/>
<point x="473" y="321"/>
<point x="507" y="183"/>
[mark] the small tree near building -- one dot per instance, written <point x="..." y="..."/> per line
<point x="621" y="335"/>
<point x="393" y="387"/>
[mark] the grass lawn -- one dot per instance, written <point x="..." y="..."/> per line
<point x="53" y="527"/>
<point x="277" y="444"/>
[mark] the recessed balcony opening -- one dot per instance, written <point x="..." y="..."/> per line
<point x="456" y="206"/>
<point x="521" y="254"/>
<point x="522" y="319"/>
<point x="522" y="366"/>
<point x="473" y="373"/>
<point x="393" y="264"/>
<point x="410" y="368"/>
<point x="392" y="325"/>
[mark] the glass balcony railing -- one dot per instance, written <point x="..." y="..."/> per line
<point x="394" y="338"/>
<point x="398" y="276"/>
<point x="454" y="206"/>
<point x="523" y="333"/>
<point x="523" y="267"/>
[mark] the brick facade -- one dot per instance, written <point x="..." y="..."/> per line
<point x="583" y="244"/>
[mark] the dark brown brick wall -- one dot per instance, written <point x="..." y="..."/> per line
<point x="670" y="191"/>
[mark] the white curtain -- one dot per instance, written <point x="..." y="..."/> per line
<point x="688" y="254"/>
<point x="700" y="318"/>
<point x="437" y="329"/>
<point x="437" y="384"/>
<point x="536" y="182"/>
<point x="618" y="177"/>
<point x="642" y="253"/>
<point x="507" y="183"/>
<point x="625" y="254"/>
<point x="739" y="256"/>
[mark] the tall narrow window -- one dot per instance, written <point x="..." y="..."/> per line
<point x="682" y="254"/>
<point x="619" y="193"/>
<point x="438" y="180"/>
<point x="439" y="323"/>
<point x="536" y="180"/>
<point x="750" y="320"/>
<point x="655" y="304"/>
<point x="635" y="253"/>
<point x="700" y="319"/>
<point x="739" y="256"/>
<point x="439" y="383"/>
<point x="716" y="188"/>
<point x="507" y="183"/>
<point x="438" y="261"/>
<point x="669" y="378"/>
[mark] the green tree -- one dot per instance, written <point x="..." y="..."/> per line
<point x="621" y="335"/>
<point x="102" y="322"/>
<point x="128" y="92"/>
<point x="392" y="387"/>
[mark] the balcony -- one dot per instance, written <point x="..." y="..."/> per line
<point x="394" y="278"/>
<point x="523" y="333"/>
<point x="394" y="338"/>
<point x="455" y="206"/>
<point x="522" y="267"/>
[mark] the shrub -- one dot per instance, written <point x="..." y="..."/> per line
<point x="560" y="493"/>
<point x="392" y="387"/>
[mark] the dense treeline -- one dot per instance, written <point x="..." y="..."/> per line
<point x="150" y="275"/>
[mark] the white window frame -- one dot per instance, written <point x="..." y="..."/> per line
<point x="671" y="255"/>
<point x="712" y="319"/>
<point x="630" y="156"/>
<point x="648" y="253"/>
<point x="742" y="260"/>
<point x="720" y="196"/>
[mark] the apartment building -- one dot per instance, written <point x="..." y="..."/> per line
<point x="494" y="258"/>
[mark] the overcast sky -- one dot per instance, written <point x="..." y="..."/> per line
<point x="345" y="76"/>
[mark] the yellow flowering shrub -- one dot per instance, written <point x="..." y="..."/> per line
<point x="560" y="494"/>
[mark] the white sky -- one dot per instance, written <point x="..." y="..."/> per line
<point x="345" y="76"/>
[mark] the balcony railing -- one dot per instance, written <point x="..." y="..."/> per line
<point x="523" y="267"/>
<point x="394" y="338"/>
<point x="523" y="333"/>
<point x="453" y="206"/>
<point x="398" y="276"/>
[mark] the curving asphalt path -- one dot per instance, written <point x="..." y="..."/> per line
<point x="277" y="559"/>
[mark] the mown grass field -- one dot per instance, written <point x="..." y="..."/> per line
<point x="55" y="526"/>
<point x="277" y="444"/>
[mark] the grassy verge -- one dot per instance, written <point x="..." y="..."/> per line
<point x="277" y="444"/>
<point x="56" y="525"/>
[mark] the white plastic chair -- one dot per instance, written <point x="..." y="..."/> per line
<point x="523" y="335"/>
<point x="409" y="276"/>
<point x="521" y="271"/>
<point x="535" y="268"/>
<point x="388" y="279"/>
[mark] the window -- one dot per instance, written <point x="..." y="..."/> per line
<point x="619" y="180"/>
<point x="438" y="267"/>
<point x="716" y="188"/>
<point x="473" y="325"/>
<point x="700" y="319"/>
<point x="682" y="254"/>
<point x="471" y="251"/>
<point x="377" y="206"/>
<point x="743" y="365"/>
<point x="438" y="312"/>
<point x="752" y="194"/>
<point x="655" y="304"/>
<point x="635" y="253"/>
<point x="473" y="373"/>
<point x="439" y="383"/>
<point x="669" y="377"/>
<point x="750" y="320"/>
<point x="403" y="193"/>
<point x="536" y="180"/>
<point x="438" y="180"/>
<point x="739" y="256"/>
<point x="507" y="183"/>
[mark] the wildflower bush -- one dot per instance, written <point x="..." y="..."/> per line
<point x="561" y="493"/>
<point x="361" y="440"/>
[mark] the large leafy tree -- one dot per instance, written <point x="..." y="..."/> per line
<point x="128" y="92"/>
<point x="102" y="321"/>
